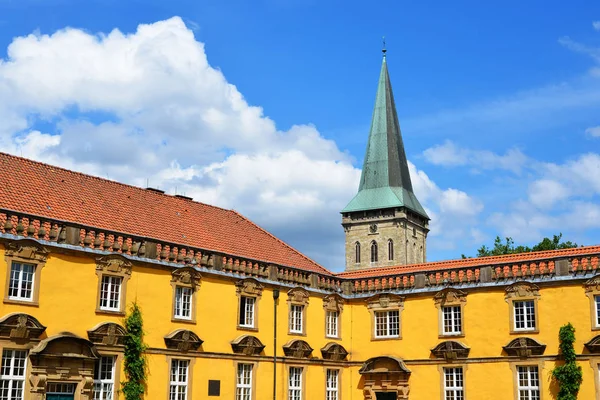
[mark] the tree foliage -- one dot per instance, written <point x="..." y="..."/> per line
<point x="568" y="375"/>
<point x="508" y="246"/>
<point x="135" y="359"/>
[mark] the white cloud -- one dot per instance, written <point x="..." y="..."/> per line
<point x="449" y="155"/>
<point x="148" y="106"/>
<point x="544" y="193"/>
<point x="596" y="25"/>
<point x="593" y="131"/>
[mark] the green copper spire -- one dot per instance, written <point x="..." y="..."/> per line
<point x="385" y="180"/>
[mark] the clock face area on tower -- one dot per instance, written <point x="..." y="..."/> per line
<point x="385" y="224"/>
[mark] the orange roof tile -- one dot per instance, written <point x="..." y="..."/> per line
<point x="48" y="191"/>
<point x="469" y="262"/>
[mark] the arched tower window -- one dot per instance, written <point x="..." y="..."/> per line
<point x="357" y="252"/>
<point x="414" y="231"/>
<point x="390" y="250"/>
<point x="373" y="251"/>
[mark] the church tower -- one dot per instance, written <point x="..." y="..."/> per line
<point x="384" y="223"/>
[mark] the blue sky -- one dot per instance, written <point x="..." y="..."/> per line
<point x="498" y="105"/>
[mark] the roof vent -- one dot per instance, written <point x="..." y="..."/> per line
<point x="155" y="190"/>
<point x="183" y="197"/>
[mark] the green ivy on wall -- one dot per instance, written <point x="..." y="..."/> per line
<point x="135" y="359"/>
<point x="568" y="376"/>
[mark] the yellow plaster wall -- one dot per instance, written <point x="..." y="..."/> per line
<point x="68" y="295"/>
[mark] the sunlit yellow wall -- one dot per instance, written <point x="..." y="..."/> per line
<point x="68" y="295"/>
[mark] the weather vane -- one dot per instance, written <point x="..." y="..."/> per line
<point x="383" y="50"/>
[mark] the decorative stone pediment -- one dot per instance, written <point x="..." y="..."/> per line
<point x="450" y="350"/>
<point x="593" y="345"/>
<point x="450" y="296"/>
<point x="333" y="302"/>
<point x="593" y="284"/>
<point x="297" y="348"/>
<point x="334" y="352"/>
<point x="385" y="300"/>
<point x="65" y="345"/>
<point x="183" y="340"/>
<point x="298" y="295"/>
<point x="108" y="333"/>
<point x="249" y="287"/>
<point x="522" y="289"/>
<point x="524" y="347"/>
<point x="27" y="250"/>
<point x="248" y="345"/>
<point x="384" y="365"/>
<point x="186" y="276"/>
<point x="114" y="263"/>
<point x="20" y="326"/>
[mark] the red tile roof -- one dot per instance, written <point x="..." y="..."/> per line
<point x="48" y="191"/>
<point x="470" y="262"/>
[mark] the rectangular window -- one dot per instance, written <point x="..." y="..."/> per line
<point x="331" y="323"/>
<point x="247" y="311"/>
<point x="296" y="318"/>
<point x="179" y="379"/>
<point x="110" y="293"/>
<point x="295" y="384"/>
<point x="387" y="324"/>
<point x="524" y="315"/>
<point x="243" y="387"/>
<point x="597" y="303"/>
<point x="332" y="387"/>
<point x="21" y="281"/>
<point x="454" y="388"/>
<point x="529" y="383"/>
<point x="452" y="320"/>
<point x="104" y="378"/>
<point x="12" y="374"/>
<point x="183" y="302"/>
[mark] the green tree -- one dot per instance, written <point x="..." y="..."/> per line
<point x="508" y="246"/>
<point x="568" y="375"/>
<point x="135" y="359"/>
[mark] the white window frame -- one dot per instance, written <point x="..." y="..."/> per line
<point x="243" y="386"/>
<point x="11" y="375"/>
<point x="247" y="311"/>
<point x="332" y="321"/>
<point x="296" y="318"/>
<point x="454" y="383"/>
<point x="387" y="319"/>
<point x="527" y="308"/>
<point x="452" y="320"/>
<point x="332" y="384"/>
<point x="104" y="379"/>
<point x="17" y="281"/>
<point x="295" y="390"/>
<point x="531" y="389"/>
<point x="597" y="309"/>
<point x="178" y="385"/>
<point x="114" y="285"/>
<point x="183" y="302"/>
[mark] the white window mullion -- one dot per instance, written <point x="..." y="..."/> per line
<point x="22" y="281"/>
<point x="295" y="383"/>
<point x="12" y="374"/>
<point x="179" y="379"/>
<point x="104" y="378"/>
<point x="332" y="384"/>
<point x="244" y="382"/>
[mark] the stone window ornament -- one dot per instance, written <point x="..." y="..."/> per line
<point x="450" y="350"/>
<point x="247" y="345"/>
<point x="524" y="347"/>
<point x="593" y="345"/>
<point x="108" y="334"/>
<point x="183" y="340"/>
<point x="297" y="348"/>
<point x="385" y="374"/>
<point x="334" y="352"/>
<point x="114" y="271"/>
<point x="20" y="326"/>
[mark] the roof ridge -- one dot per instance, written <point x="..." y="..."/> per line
<point x="282" y="242"/>
<point x="86" y="175"/>
<point x="482" y="260"/>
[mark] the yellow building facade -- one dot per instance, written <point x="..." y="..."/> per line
<point x="466" y="327"/>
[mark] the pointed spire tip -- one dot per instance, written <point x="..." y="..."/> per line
<point x="383" y="50"/>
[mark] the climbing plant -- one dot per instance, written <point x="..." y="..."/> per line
<point x="135" y="358"/>
<point x="568" y="375"/>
